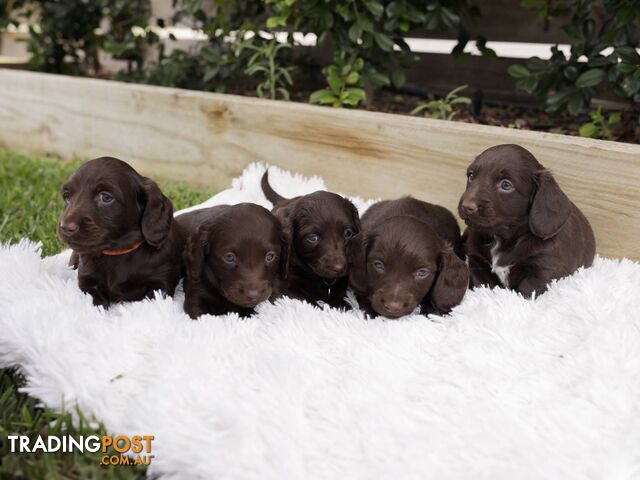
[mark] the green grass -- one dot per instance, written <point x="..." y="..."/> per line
<point x="30" y="204"/>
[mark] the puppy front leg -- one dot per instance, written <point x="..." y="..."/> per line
<point x="480" y="273"/>
<point x="533" y="284"/>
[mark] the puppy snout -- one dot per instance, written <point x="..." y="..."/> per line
<point x="469" y="207"/>
<point x="338" y="266"/>
<point x="395" y="307"/>
<point x="253" y="293"/>
<point x="68" y="227"/>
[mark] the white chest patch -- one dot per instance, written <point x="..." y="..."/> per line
<point x="502" y="271"/>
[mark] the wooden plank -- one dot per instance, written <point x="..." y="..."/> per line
<point x="208" y="139"/>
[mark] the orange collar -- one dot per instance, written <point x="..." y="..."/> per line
<point x="122" y="252"/>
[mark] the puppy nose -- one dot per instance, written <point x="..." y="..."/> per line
<point x="470" y="207"/>
<point x="253" y="294"/>
<point x="69" y="227"/>
<point x="394" y="307"/>
<point x="337" y="267"/>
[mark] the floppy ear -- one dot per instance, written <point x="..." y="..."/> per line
<point x="355" y="216"/>
<point x="452" y="281"/>
<point x="284" y="213"/>
<point x="157" y="214"/>
<point x="356" y="250"/>
<point x="195" y="251"/>
<point x="285" y="250"/>
<point x="550" y="207"/>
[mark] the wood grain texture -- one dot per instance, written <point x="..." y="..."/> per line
<point x="208" y="139"/>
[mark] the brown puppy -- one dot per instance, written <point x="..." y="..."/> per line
<point x="234" y="255"/>
<point x="120" y="227"/>
<point x="319" y="225"/>
<point x="405" y="257"/>
<point x="522" y="231"/>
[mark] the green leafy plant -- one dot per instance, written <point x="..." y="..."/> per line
<point x="66" y="36"/>
<point x="602" y="58"/>
<point x="344" y="80"/>
<point x="275" y="78"/>
<point x="442" y="108"/>
<point x="600" y="126"/>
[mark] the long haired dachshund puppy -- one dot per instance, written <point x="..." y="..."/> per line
<point x="235" y="255"/>
<point x="320" y="225"/>
<point x="522" y="231"/>
<point x="405" y="257"/>
<point x="121" y="229"/>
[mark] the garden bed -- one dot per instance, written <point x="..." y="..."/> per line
<point x="207" y="139"/>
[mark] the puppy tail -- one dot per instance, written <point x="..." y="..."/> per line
<point x="269" y="192"/>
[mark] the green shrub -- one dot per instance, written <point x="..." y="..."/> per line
<point x="372" y="30"/>
<point x="569" y="83"/>
<point x="65" y="35"/>
<point x="344" y="83"/>
<point x="600" y="126"/>
<point x="442" y="108"/>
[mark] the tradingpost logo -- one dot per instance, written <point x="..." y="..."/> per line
<point x="134" y="450"/>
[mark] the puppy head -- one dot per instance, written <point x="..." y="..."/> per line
<point x="109" y="205"/>
<point x="507" y="188"/>
<point x="240" y="252"/>
<point x="401" y="264"/>
<point x="320" y="225"/>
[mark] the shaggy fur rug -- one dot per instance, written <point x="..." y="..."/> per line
<point x="502" y="388"/>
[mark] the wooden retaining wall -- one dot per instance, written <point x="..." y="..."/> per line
<point x="207" y="139"/>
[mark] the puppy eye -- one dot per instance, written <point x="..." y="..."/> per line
<point x="312" y="238"/>
<point x="348" y="233"/>
<point x="423" y="273"/>
<point x="229" y="257"/>
<point x="66" y="195"/>
<point x="378" y="265"/>
<point x="470" y="175"/>
<point x="506" y="185"/>
<point x="269" y="257"/>
<point x="105" y="197"/>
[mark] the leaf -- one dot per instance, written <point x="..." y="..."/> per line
<point x="398" y="77"/>
<point x="575" y="103"/>
<point x="556" y="100"/>
<point x="276" y="21"/>
<point x="590" y="78"/>
<point x="319" y="95"/>
<point x="588" y="130"/>
<point x="375" y="8"/>
<point x="420" y="108"/>
<point x="614" y="119"/>
<point x="334" y="81"/>
<point x="518" y="71"/>
<point x="353" y="78"/>
<point x="356" y="95"/>
<point x="460" y="100"/>
<point x="383" y="41"/>
<point x="355" y="32"/>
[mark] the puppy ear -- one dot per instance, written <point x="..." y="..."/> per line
<point x="550" y="207"/>
<point x="355" y="216"/>
<point x="285" y="250"/>
<point x="452" y="281"/>
<point x="196" y="249"/>
<point x="284" y="212"/>
<point x="157" y="214"/>
<point x="356" y="250"/>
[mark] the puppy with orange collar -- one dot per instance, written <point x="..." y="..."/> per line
<point x="120" y="226"/>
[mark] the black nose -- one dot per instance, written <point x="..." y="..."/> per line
<point x="470" y="207"/>
<point x="68" y="227"/>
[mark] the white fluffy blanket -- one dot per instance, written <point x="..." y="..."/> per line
<point x="502" y="388"/>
